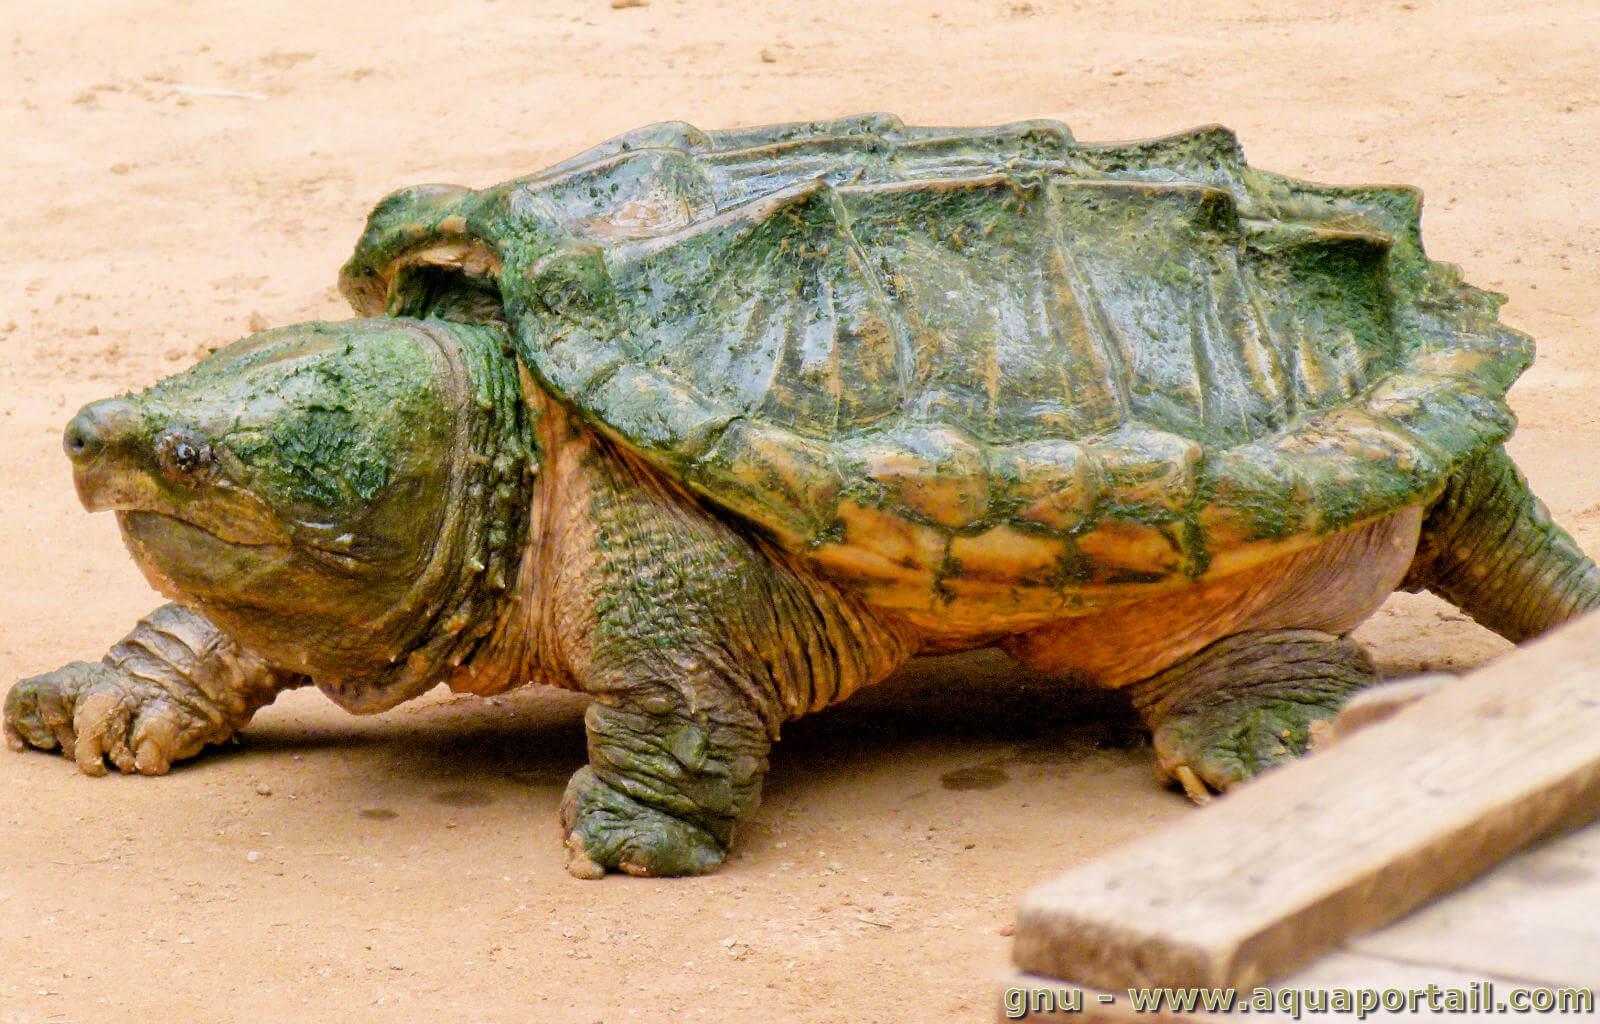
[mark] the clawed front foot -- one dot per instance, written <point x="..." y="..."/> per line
<point x="92" y="712"/>
<point x="166" y="690"/>
<point x="606" y="829"/>
<point x="1247" y="703"/>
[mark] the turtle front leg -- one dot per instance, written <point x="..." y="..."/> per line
<point x="697" y="641"/>
<point x="673" y="770"/>
<point x="172" y="686"/>
<point x="1248" y="702"/>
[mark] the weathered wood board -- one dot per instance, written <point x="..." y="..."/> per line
<point x="1340" y="843"/>
<point x="1536" y="917"/>
<point x="1532" y="922"/>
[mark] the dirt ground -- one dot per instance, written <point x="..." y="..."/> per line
<point x="179" y="175"/>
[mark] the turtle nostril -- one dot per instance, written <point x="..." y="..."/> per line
<point x="94" y="426"/>
<point x="81" y="440"/>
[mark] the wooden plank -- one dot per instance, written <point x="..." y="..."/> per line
<point x="1341" y="842"/>
<point x="1537" y="916"/>
<point x="1379" y="704"/>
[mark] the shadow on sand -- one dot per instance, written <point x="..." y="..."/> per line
<point x="535" y="736"/>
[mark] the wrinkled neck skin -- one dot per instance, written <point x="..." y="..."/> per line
<point x="472" y="583"/>
<point x="531" y="638"/>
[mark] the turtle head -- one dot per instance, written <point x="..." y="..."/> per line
<point x="347" y="499"/>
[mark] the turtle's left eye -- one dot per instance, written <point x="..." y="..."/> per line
<point x="183" y="455"/>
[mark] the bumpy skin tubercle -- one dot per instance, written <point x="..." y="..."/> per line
<point x="170" y="688"/>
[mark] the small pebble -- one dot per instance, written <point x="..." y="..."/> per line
<point x="262" y="789"/>
<point x="254" y="856"/>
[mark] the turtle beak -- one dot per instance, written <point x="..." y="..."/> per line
<point x="98" y="441"/>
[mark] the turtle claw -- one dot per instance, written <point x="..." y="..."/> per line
<point x="14" y="740"/>
<point x="606" y="829"/>
<point x="39" y="710"/>
<point x="1195" y="789"/>
<point x="579" y="863"/>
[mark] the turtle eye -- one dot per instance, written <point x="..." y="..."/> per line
<point x="182" y="455"/>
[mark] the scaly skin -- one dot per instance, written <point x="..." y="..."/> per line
<point x="171" y="687"/>
<point x="1490" y="548"/>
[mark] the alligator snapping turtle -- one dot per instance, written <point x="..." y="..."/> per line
<point x="720" y="427"/>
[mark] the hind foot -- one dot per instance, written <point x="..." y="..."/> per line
<point x="1248" y="702"/>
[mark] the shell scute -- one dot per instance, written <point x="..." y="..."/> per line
<point x="1148" y="475"/>
<point x="1006" y="555"/>
<point x="1132" y="552"/>
<point x="936" y="474"/>
<point x="771" y="307"/>
<point x="1050" y="484"/>
<point x="876" y="546"/>
<point x="776" y="477"/>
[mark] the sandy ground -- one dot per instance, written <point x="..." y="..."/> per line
<point x="408" y="864"/>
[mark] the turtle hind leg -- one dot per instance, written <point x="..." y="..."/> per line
<point x="1248" y="702"/>
<point x="1490" y="548"/>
